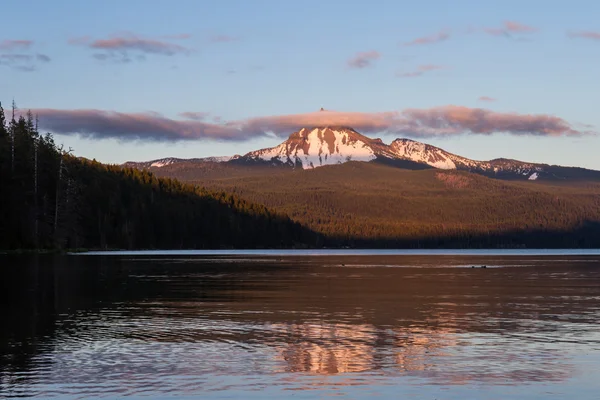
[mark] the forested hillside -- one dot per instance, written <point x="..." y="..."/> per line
<point x="52" y="199"/>
<point x="372" y="205"/>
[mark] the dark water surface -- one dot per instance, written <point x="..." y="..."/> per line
<point x="279" y="326"/>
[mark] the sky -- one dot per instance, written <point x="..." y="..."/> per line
<point x="120" y="80"/>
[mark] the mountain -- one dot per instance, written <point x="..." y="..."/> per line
<point x="163" y="162"/>
<point x="311" y="148"/>
<point x="315" y="147"/>
<point x="359" y="191"/>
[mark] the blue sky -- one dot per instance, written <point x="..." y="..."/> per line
<point x="238" y="61"/>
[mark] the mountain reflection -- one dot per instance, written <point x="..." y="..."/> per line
<point x="160" y="322"/>
<point x="339" y="349"/>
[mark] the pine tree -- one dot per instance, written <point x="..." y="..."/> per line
<point x="13" y="127"/>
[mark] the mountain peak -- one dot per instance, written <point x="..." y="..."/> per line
<point x="320" y="145"/>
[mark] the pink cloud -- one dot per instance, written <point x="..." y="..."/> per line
<point x="139" y="44"/>
<point x="421" y="69"/>
<point x="486" y="98"/>
<point x="127" y="47"/>
<point x="586" y="35"/>
<point x="511" y="27"/>
<point x="150" y="126"/>
<point x="438" y="121"/>
<point x="15" y="44"/>
<point x="363" y="59"/>
<point x="438" y="37"/>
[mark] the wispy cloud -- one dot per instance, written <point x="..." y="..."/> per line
<point x="138" y="44"/>
<point x="585" y="35"/>
<point x="421" y="69"/>
<point x="43" y="58"/>
<point x="438" y="121"/>
<point x="15" y="44"/>
<point x="486" y="98"/>
<point x="18" y="55"/>
<point x="510" y="28"/>
<point x="129" y="47"/>
<point x="438" y="37"/>
<point x="23" y="62"/>
<point x="363" y="59"/>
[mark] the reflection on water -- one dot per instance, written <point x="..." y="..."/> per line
<point x="387" y="326"/>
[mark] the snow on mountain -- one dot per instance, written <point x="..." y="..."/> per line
<point x="318" y="146"/>
<point x="162" y="163"/>
<point x="315" y="147"/>
<point x="423" y="153"/>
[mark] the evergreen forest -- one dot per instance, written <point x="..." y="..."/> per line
<point x="51" y="199"/>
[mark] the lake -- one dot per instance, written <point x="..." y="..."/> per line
<point x="255" y="325"/>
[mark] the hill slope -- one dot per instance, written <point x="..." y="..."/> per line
<point x="371" y="204"/>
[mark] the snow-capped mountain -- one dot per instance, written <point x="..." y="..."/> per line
<point x="441" y="159"/>
<point x="424" y="153"/>
<point x="319" y="146"/>
<point x="315" y="147"/>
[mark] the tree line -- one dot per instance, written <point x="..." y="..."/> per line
<point x="50" y="199"/>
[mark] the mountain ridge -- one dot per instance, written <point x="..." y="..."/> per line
<point x="314" y="147"/>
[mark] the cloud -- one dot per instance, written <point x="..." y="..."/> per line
<point x="585" y="35"/>
<point x="23" y="62"/>
<point x="16" y="55"/>
<point x="15" y="44"/>
<point x="509" y="28"/>
<point x="421" y="69"/>
<point x="438" y="37"/>
<point x="363" y="59"/>
<point x="138" y="44"/>
<point x="100" y="124"/>
<point x="42" y="58"/>
<point x="128" y="47"/>
<point x="438" y="121"/>
<point x="486" y="98"/>
<point x="11" y="58"/>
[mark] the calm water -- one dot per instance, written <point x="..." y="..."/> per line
<point x="274" y="325"/>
